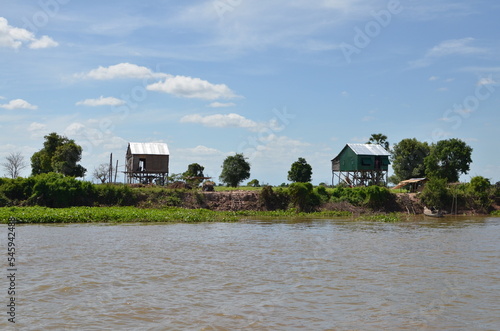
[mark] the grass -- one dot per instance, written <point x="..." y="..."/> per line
<point x="133" y="214"/>
<point x="387" y="218"/>
<point x="111" y="214"/>
<point x="495" y="213"/>
<point x="239" y="188"/>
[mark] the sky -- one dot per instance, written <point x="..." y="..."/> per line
<point x="274" y="80"/>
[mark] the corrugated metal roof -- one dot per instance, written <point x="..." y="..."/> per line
<point x="149" y="148"/>
<point x="369" y="149"/>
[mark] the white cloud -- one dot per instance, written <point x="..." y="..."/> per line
<point x="448" y="48"/>
<point x="273" y="149"/>
<point x="486" y="81"/>
<point x="35" y="126"/>
<point x="44" y="42"/>
<point x="12" y="37"/>
<point x="198" y="151"/>
<point x="37" y="130"/>
<point x="74" y="129"/>
<point x="221" y="104"/>
<point x="189" y="87"/>
<point x="221" y="121"/>
<point x="121" y="71"/>
<point x="101" y="101"/>
<point x="18" y="104"/>
<point x="433" y="78"/>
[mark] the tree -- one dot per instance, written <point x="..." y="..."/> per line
<point x="234" y="170"/>
<point x="300" y="171"/>
<point x="102" y="173"/>
<point x="479" y="191"/>
<point x="254" y="183"/>
<point x="448" y="159"/>
<point x="194" y="170"/>
<point x="408" y="159"/>
<point x="13" y="164"/>
<point x="436" y="193"/>
<point x="379" y="138"/>
<point x="59" y="154"/>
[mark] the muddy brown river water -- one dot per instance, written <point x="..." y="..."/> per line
<point x="424" y="274"/>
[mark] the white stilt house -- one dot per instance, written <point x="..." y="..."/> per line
<point x="147" y="163"/>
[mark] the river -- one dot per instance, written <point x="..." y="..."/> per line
<point x="427" y="274"/>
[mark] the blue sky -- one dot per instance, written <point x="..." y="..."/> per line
<point x="275" y="80"/>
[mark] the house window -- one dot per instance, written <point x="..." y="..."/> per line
<point x="142" y="164"/>
<point x="366" y="161"/>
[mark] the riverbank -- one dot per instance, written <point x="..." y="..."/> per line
<point x="32" y="215"/>
<point x="52" y="198"/>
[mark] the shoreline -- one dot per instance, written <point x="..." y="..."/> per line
<point x="46" y="215"/>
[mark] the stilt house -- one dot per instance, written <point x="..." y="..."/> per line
<point x="147" y="163"/>
<point x="361" y="165"/>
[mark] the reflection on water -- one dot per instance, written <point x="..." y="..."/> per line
<point x="260" y="275"/>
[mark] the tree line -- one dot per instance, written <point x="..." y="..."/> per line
<point x="410" y="158"/>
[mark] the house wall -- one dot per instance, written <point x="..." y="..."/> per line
<point x="350" y="161"/>
<point x="153" y="163"/>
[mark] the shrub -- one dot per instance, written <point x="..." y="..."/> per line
<point x="377" y="197"/>
<point x="321" y="192"/>
<point x="273" y="199"/>
<point x="18" y="189"/>
<point x="112" y="195"/>
<point x="436" y="193"/>
<point x="479" y="193"/>
<point x="56" y="190"/>
<point x="302" y="197"/>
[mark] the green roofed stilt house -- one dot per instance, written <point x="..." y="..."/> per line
<point x="361" y="165"/>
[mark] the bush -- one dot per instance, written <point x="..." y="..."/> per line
<point x="114" y="195"/>
<point x="18" y="189"/>
<point x="302" y="197"/>
<point x="377" y="197"/>
<point x="273" y="199"/>
<point x="479" y="193"/>
<point x="57" y="191"/>
<point x="322" y="193"/>
<point x="436" y="193"/>
<point x="355" y="195"/>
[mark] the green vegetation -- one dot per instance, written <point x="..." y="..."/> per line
<point x="58" y="191"/>
<point x="194" y="173"/>
<point x="374" y="197"/>
<point x="445" y="159"/>
<point x="408" y="159"/>
<point x="302" y="197"/>
<point x="387" y="218"/>
<point x="235" y="169"/>
<point x="254" y="183"/>
<point x="379" y="139"/>
<point x="112" y="214"/>
<point x="132" y="214"/>
<point x="300" y="171"/>
<point x="59" y="154"/>
<point x="477" y="196"/>
<point x="448" y="159"/>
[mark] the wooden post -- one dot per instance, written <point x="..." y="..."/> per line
<point x="116" y="170"/>
<point x="110" y="171"/>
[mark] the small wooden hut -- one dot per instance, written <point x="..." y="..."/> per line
<point x="147" y="163"/>
<point x="361" y="165"/>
